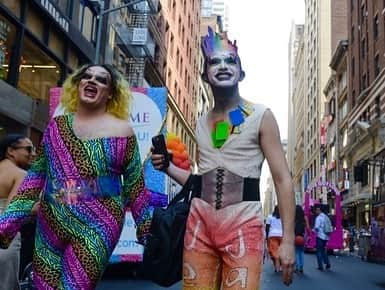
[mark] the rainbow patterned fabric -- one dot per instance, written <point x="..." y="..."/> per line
<point x="84" y="187"/>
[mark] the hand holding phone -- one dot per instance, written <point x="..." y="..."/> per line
<point x="159" y="144"/>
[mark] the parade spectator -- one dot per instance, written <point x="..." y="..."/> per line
<point x="321" y="228"/>
<point x="224" y="236"/>
<point x="16" y="155"/>
<point x="274" y="237"/>
<point x="87" y="171"/>
<point x="300" y="227"/>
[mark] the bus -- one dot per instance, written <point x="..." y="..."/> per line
<point x="336" y="237"/>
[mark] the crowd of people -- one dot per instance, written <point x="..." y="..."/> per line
<point x="87" y="171"/>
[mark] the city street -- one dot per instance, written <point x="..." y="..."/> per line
<point x="347" y="272"/>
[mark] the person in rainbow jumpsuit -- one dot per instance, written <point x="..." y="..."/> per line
<point x="86" y="173"/>
<point x="223" y="245"/>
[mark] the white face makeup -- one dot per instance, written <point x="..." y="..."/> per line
<point x="95" y="86"/>
<point x="223" y="69"/>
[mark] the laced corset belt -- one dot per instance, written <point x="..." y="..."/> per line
<point x="220" y="188"/>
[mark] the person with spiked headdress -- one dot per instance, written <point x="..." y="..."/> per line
<point x="87" y="171"/>
<point x="224" y="233"/>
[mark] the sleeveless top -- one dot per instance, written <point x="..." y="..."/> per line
<point x="240" y="154"/>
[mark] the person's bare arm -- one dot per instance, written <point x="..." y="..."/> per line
<point x="272" y="148"/>
<point x="176" y="173"/>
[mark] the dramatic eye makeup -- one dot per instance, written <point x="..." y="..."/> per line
<point x="217" y="60"/>
<point x="100" y="79"/>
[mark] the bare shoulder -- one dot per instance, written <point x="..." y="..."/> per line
<point x="269" y="123"/>
<point x="122" y="127"/>
<point x="11" y="172"/>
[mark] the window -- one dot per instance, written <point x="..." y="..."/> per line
<point x="87" y="23"/>
<point x="38" y="71"/>
<point x="13" y="5"/>
<point x="172" y="44"/>
<point x="352" y="35"/>
<point x="362" y="14"/>
<point x="34" y="23"/>
<point x="56" y="43"/>
<point x="363" y="82"/>
<point x="378" y="107"/>
<point x="363" y="48"/>
<point x="376" y="65"/>
<point x="375" y="26"/>
<point x="7" y="40"/>
<point x="62" y="4"/>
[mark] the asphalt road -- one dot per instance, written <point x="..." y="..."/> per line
<point x="347" y="272"/>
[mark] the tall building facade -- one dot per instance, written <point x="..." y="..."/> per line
<point x="317" y="54"/>
<point x="365" y="132"/>
<point x="182" y="36"/>
<point x="221" y="8"/>
<point x="41" y="42"/>
<point x="295" y="47"/>
<point x="295" y="150"/>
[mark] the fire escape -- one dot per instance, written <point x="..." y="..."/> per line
<point x="136" y="41"/>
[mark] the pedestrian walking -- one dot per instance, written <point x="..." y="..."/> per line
<point x="224" y="239"/>
<point x="300" y="226"/>
<point x="274" y="237"/>
<point x="323" y="229"/>
<point x="16" y="155"/>
<point x="88" y="170"/>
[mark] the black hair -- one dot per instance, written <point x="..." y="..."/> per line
<point x="9" y="141"/>
<point x="276" y="212"/>
<point x="322" y="209"/>
<point x="111" y="70"/>
<point x="299" y="215"/>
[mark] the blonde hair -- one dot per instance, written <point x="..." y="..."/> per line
<point x="120" y="103"/>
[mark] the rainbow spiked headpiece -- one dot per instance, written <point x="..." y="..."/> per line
<point x="217" y="41"/>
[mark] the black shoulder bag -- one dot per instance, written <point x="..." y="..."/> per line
<point x="163" y="253"/>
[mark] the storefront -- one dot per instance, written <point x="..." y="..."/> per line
<point x="41" y="41"/>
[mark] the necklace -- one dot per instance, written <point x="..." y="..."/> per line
<point x="223" y="129"/>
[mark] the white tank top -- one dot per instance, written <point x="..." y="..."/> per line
<point x="240" y="154"/>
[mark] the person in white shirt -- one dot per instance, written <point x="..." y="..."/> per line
<point x="322" y="238"/>
<point x="274" y="237"/>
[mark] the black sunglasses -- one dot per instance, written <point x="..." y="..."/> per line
<point x="29" y="148"/>
<point x="100" y="79"/>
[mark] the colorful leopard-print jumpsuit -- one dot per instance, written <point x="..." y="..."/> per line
<point x="84" y="187"/>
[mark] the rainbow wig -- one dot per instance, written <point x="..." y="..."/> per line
<point x="120" y="103"/>
<point x="214" y="41"/>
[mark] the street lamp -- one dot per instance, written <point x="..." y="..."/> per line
<point x="100" y="16"/>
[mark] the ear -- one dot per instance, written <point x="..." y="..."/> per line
<point x="242" y="75"/>
<point x="9" y="152"/>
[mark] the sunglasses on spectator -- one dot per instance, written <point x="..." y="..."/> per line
<point x="30" y="149"/>
<point x="100" y="79"/>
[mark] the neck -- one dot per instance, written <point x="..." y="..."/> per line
<point x="225" y="98"/>
<point x="89" y="112"/>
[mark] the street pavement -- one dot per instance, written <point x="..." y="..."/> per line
<point x="347" y="272"/>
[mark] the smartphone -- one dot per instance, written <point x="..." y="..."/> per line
<point x="159" y="145"/>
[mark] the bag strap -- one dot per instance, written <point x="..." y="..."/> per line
<point x="189" y="190"/>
